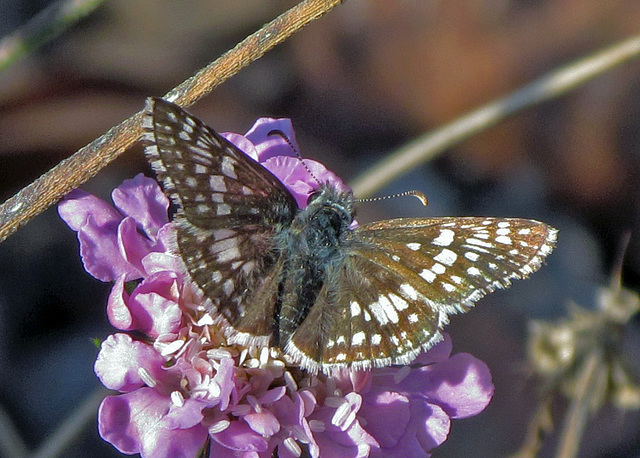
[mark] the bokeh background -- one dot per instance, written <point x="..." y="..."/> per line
<point x="358" y="83"/>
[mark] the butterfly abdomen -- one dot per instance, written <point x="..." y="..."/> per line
<point x="312" y="246"/>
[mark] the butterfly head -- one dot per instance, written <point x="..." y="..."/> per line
<point x="329" y="196"/>
<point x="328" y="207"/>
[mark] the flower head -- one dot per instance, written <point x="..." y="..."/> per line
<point x="272" y="143"/>
<point x="184" y="387"/>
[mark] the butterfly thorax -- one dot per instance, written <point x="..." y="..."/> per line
<point x="312" y="248"/>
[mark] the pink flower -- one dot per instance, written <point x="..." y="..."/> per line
<point x="279" y="157"/>
<point x="183" y="387"/>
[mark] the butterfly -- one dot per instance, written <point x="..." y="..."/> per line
<point x="303" y="279"/>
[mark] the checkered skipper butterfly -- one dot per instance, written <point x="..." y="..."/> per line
<point x="302" y="279"/>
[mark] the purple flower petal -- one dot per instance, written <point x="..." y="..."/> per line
<point x="133" y="245"/>
<point x="76" y="207"/>
<point x="268" y="146"/>
<point x="272" y="395"/>
<point x="101" y="254"/>
<point x="120" y="360"/>
<point x="240" y="437"/>
<point x="428" y="428"/>
<point x="155" y="262"/>
<point x="264" y="423"/>
<point x="225" y="377"/>
<point x="138" y="422"/>
<point x="437" y="425"/>
<point x="97" y="223"/>
<point x="308" y="400"/>
<point x="142" y="199"/>
<point x="293" y="174"/>
<point x="154" y="305"/>
<point x="461" y="385"/>
<point x="387" y="415"/>
<point x="118" y="307"/>
<point x="184" y="416"/>
<point x="243" y="144"/>
<point x="114" y="424"/>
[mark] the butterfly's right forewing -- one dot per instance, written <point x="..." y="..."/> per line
<point x="402" y="278"/>
<point x="230" y="208"/>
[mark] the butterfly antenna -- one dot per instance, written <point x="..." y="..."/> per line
<point x="297" y="153"/>
<point x="417" y="194"/>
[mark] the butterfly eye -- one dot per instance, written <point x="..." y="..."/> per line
<point x="314" y="196"/>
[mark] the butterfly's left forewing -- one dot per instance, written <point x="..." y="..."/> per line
<point x="214" y="184"/>
<point x="229" y="209"/>
<point x="402" y="278"/>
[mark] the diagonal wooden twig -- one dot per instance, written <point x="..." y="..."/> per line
<point x="553" y="84"/>
<point x="86" y="162"/>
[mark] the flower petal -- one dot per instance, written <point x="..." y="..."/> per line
<point x="272" y="395"/>
<point x="268" y="146"/>
<point x="240" y="437"/>
<point x="184" y="416"/>
<point x="114" y="424"/>
<point x="132" y="244"/>
<point x="293" y="174"/>
<point x="118" y="306"/>
<point x="243" y="144"/>
<point x="225" y="377"/>
<point x="461" y="385"/>
<point x="137" y="422"/>
<point x="120" y="360"/>
<point x="387" y="415"/>
<point x="78" y="205"/>
<point x="142" y="199"/>
<point x="264" y="423"/>
<point x="97" y="224"/>
<point x="154" y="305"/>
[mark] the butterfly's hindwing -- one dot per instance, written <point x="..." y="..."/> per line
<point x="364" y="320"/>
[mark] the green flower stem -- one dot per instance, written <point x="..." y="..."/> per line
<point x="44" y="27"/>
<point x="588" y="383"/>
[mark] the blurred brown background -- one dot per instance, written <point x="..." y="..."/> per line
<point x="358" y="83"/>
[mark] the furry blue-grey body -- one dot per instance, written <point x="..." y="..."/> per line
<point x="312" y="246"/>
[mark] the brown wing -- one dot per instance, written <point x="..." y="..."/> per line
<point x="401" y="280"/>
<point x="229" y="209"/>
